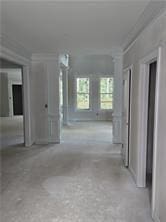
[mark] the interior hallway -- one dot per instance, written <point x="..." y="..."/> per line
<point x="71" y="181"/>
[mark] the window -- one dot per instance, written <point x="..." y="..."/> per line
<point x="61" y="90"/>
<point x="82" y="85"/>
<point x="106" y="93"/>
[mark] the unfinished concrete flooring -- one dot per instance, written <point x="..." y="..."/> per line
<point x="62" y="183"/>
<point x="77" y="182"/>
<point x="88" y="132"/>
<point x="11" y="131"/>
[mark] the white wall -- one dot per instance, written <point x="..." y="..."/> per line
<point x="4" y="103"/>
<point x="93" y="66"/>
<point x="45" y="84"/>
<point x="146" y="42"/>
<point x="161" y="180"/>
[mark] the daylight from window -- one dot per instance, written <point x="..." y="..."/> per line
<point x="106" y="93"/>
<point x="83" y="93"/>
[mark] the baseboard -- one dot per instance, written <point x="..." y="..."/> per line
<point x="155" y="217"/>
<point x="133" y="174"/>
<point x="41" y="142"/>
<point x="54" y="142"/>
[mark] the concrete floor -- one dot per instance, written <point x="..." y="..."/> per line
<point x="11" y="131"/>
<point x="77" y="182"/>
<point x="88" y="132"/>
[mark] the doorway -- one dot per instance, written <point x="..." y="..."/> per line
<point x="127" y="81"/>
<point x="90" y="99"/>
<point x="150" y="123"/>
<point x="17" y="100"/>
<point x="11" y="112"/>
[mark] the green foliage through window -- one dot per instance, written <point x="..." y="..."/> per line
<point x="106" y="93"/>
<point x="82" y="85"/>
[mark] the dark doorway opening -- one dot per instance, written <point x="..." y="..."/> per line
<point x="17" y="100"/>
<point x="150" y="128"/>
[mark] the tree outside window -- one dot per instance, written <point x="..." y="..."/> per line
<point x="82" y="85"/>
<point x="106" y="93"/>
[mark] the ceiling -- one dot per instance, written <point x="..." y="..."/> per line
<point x="83" y="27"/>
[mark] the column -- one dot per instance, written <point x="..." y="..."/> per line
<point x="118" y="87"/>
<point x="65" y="95"/>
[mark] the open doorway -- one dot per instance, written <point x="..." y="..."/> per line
<point x="11" y="107"/>
<point x="150" y="124"/>
<point x="90" y="109"/>
<point x="87" y="99"/>
<point x="126" y="126"/>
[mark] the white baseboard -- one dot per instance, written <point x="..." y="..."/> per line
<point x="41" y="142"/>
<point x="155" y="217"/>
<point x="133" y="174"/>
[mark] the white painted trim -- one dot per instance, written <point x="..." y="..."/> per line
<point x="99" y="108"/>
<point x="154" y="20"/>
<point x="27" y="106"/>
<point x="128" y="69"/>
<point x="75" y="93"/>
<point x="143" y="116"/>
<point x="6" y="53"/>
<point x="13" y="57"/>
<point x="142" y="124"/>
<point x="10" y="87"/>
<point x="155" y="218"/>
<point x="133" y="173"/>
<point x="155" y="154"/>
<point x="41" y="141"/>
<point x="143" y="120"/>
<point x="43" y="57"/>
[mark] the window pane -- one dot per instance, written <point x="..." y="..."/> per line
<point x="61" y="91"/>
<point x="106" y="85"/>
<point x="106" y="101"/>
<point x="82" y="85"/>
<point x="82" y="101"/>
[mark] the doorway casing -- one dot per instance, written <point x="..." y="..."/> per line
<point x="143" y="123"/>
<point x="25" y="63"/>
<point x="129" y="71"/>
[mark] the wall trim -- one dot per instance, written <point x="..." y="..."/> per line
<point x="133" y="173"/>
<point x="40" y="57"/>
<point x="8" y="54"/>
<point x="155" y="217"/>
<point x="142" y="127"/>
<point x="142" y="118"/>
<point x="14" y="45"/>
<point x="153" y="21"/>
<point x="129" y="69"/>
<point x="25" y="63"/>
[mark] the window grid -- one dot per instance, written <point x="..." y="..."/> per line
<point x="82" y="85"/>
<point x="106" y="93"/>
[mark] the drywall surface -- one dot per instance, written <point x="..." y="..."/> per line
<point x="4" y="104"/>
<point x="94" y="67"/>
<point x="161" y="142"/>
<point x="45" y="86"/>
<point x="146" y="42"/>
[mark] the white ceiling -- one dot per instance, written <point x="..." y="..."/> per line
<point x="71" y="26"/>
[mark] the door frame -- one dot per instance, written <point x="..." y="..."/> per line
<point x="25" y="64"/>
<point x="143" y="121"/>
<point x="130" y="70"/>
<point x="11" y="112"/>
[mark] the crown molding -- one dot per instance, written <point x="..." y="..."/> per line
<point x="11" y="44"/>
<point x="8" y="54"/>
<point x="153" y="11"/>
<point x="43" y="57"/>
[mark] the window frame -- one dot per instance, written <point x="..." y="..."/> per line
<point x="99" y="94"/>
<point x="75" y="93"/>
